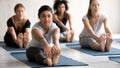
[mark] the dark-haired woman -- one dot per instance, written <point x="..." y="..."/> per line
<point x="61" y="17"/>
<point x="92" y="35"/>
<point x="18" y="31"/>
<point x="44" y="47"/>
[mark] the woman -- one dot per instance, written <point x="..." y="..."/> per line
<point x="18" y="31"/>
<point x="91" y="36"/>
<point x="44" y="47"/>
<point x="60" y="18"/>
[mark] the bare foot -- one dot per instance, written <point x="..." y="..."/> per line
<point x="108" y="41"/>
<point x="102" y="44"/>
<point x="20" y="40"/>
<point x="48" y="61"/>
<point x="26" y="40"/>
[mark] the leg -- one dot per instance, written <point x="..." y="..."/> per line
<point x="35" y="54"/>
<point x="108" y="41"/>
<point x="89" y="42"/>
<point x="63" y="37"/>
<point x="55" y="57"/>
<point x="42" y="59"/>
<point x="9" y="41"/>
<point x="72" y="36"/>
<point x="20" y="40"/>
<point x="100" y="46"/>
<point x="97" y="46"/>
<point x="26" y="40"/>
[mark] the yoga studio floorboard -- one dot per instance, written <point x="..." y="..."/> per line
<point x="70" y="58"/>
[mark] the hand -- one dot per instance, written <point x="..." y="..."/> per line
<point x="101" y="38"/>
<point x="47" y="51"/>
<point x="55" y="50"/>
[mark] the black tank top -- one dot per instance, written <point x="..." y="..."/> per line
<point x="64" y="21"/>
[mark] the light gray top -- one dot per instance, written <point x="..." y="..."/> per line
<point x="97" y="28"/>
<point x="48" y="36"/>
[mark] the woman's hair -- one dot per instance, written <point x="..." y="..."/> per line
<point x="17" y="6"/>
<point x="44" y="8"/>
<point x="58" y="2"/>
<point x="89" y="14"/>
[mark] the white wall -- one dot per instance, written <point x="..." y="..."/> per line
<point x="77" y="8"/>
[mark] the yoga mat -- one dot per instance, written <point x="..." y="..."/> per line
<point x="74" y="42"/>
<point x="117" y="40"/>
<point x="8" y="48"/>
<point x="2" y="43"/>
<point x="113" y="51"/>
<point x="63" y="61"/>
<point x="115" y="58"/>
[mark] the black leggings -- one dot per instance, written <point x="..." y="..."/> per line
<point x="9" y="41"/>
<point x="35" y="54"/>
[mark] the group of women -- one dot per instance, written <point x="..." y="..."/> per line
<point x="44" y="47"/>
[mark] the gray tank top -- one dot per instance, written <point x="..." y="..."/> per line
<point x="97" y="27"/>
<point x="48" y="36"/>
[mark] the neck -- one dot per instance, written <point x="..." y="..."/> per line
<point x="95" y="14"/>
<point x="45" y="28"/>
<point x="19" y="18"/>
<point x="61" y="13"/>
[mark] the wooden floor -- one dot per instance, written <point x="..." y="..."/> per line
<point x="7" y="61"/>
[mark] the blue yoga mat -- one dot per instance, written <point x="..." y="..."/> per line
<point x="115" y="58"/>
<point x="74" y="42"/>
<point x="113" y="51"/>
<point x="117" y="40"/>
<point x="11" y="48"/>
<point x="63" y="61"/>
<point x="2" y="43"/>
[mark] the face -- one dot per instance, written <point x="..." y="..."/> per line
<point x="46" y="18"/>
<point x="95" y="6"/>
<point x="61" y="8"/>
<point x="20" y="12"/>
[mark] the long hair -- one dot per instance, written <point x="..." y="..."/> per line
<point x="89" y="14"/>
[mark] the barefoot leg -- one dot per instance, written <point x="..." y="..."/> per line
<point x="108" y="41"/>
<point x="26" y="40"/>
<point x="20" y="40"/>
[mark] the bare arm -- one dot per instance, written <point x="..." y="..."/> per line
<point x="107" y="30"/>
<point x="55" y="18"/>
<point x="12" y="32"/>
<point x="70" y="21"/>
<point x="38" y="36"/>
<point x="90" y="29"/>
<point x="56" y="34"/>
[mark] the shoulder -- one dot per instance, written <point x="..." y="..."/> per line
<point x="68" y="15"/>
<point x="10" y="19"/>
<point x="53" y="24"/>
<point x="26" y="20"/>
<point x="85" y="18"/>
<point x="103" y="16"/>
<point x="55" y="15"/>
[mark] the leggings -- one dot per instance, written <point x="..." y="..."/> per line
<point x="35" y="54"/>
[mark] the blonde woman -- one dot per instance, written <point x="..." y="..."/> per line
<point x="91" y="36"/>
<point x="18" y="31"/>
